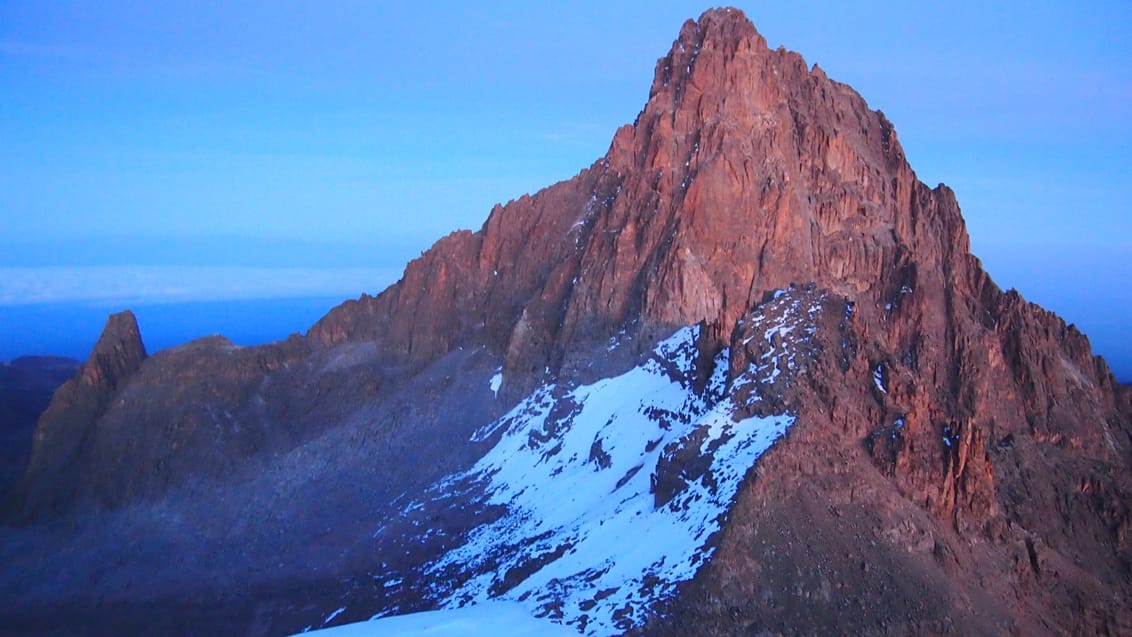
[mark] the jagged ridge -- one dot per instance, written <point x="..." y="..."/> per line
<point x="745" y="172"/>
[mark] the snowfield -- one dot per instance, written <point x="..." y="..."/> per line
<point x="585" y="540"/>
<point x="605" y="497"/>
<point x="494" y="619"/>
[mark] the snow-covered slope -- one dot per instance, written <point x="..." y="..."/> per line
<point x="595" y="501"/>
<point x="497" y="619"/>
<point x="586" y="538"/>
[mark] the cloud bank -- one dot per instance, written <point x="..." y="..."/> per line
<point x="139" y="285"/>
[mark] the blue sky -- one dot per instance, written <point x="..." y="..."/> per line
<point x="304" y="135"/>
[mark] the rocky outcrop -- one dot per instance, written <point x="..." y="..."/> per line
<point x="903" y="506"/>
<point x="129" y="427"/>
<point x="68" y="426"/>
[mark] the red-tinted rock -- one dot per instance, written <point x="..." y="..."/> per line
<point x="745" y="172"/>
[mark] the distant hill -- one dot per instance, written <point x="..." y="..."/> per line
<point x="26" y="386"/>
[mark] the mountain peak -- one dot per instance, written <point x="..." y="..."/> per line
<point x="723" y="32"/>
<point x="745" y="172"/>
<point x="65" y="430"/>
<point x="724" y="27"/>
<point x="118" y="352"/>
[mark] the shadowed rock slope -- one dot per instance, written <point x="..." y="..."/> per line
<point x="66" y="430"/>
<point x="960" y="460"/>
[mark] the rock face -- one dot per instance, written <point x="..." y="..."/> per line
<point x="67" y="426"/>
<point x="958" y="459"/>
<point x="746" y="171"/>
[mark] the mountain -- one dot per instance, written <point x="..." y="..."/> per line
<point x="740" y="375"/>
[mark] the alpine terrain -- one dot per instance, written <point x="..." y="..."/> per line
<point x="740" y="376"/>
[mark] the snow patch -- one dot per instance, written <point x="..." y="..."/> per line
<point x="878" y="378"/>
<point x="331" y="616"/>
<point x="497" y="382"/>
<point x="498" y="619"/>
<point x="778" y="329"/>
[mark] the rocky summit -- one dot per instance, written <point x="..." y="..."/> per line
<point x="741" y="375"/>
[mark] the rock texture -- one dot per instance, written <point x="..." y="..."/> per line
<point x="68" y="426"/>
<point x="960" y="461"/>
<point x="745" y="171"/>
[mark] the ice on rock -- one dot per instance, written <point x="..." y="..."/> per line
<point x="573" y="478"/>
<point x="331" y="616"/>
<point x="878" y="378"/>
<point x="569" y="514"/>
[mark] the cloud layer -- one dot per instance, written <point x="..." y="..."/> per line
<point x="173" y="284"/>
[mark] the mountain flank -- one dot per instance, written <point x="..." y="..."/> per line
<point x="753" y="261"/>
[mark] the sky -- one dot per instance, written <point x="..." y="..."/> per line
<point x="351" y="135"/>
